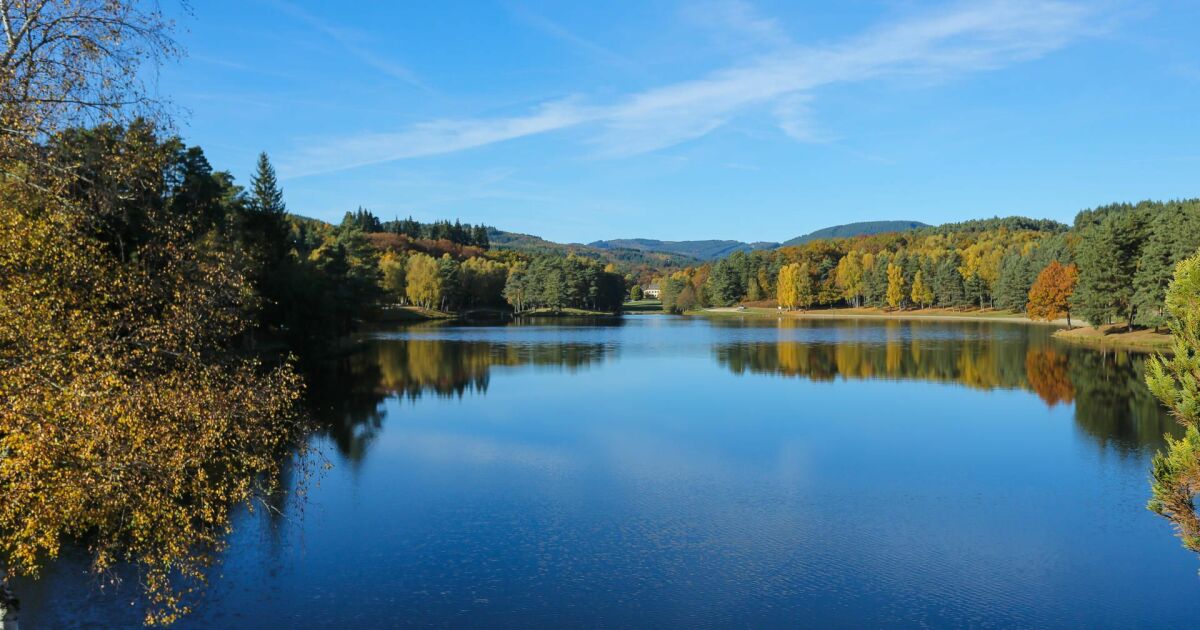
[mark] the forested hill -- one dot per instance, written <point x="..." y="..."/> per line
<point x="530" y="244"/>
<point x="701" y="250"/>
<point x="863" y="228"/>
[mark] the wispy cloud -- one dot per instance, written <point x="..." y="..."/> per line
<point x="352" y="42"/>
<point x="737" y="22"/>
<point x="563" y="34"/>
<point x="971" y="37"/>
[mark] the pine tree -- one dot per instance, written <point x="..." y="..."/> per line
<point x="1108" y="256"/>
<point x="1175" y="382"/>
<point x="948" y="283"/>
<point x="1014" y="282"/>
<point x="265" y="195"/>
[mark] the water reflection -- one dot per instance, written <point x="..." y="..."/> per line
<point x="349" y="391"/>
<point x="1111" y="401"/>
<point x="600" y="475"/>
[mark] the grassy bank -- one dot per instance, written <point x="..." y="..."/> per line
<point x="642" y="306"/>
<point x="931" y="314"/>
<point x="393" y="314"/>
<point x="1116" y="336"/>
<point x="564" y="312"/>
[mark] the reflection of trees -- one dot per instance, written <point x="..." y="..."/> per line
<point x="1111" y="402"/>
<point x="348" y="392"/>
<point x="1046" y="370"/>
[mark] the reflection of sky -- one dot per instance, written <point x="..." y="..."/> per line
<point x="695" y="494"/>
<point x="656" y="335"/>
<point x="663" y="489"/>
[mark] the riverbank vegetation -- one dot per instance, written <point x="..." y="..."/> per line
<point x="1112" y="265"/>
<point x="1175" y="381"/>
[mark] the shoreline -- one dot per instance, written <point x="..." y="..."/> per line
<point x="1141" y="340"/>
<point x="872" y="313"/>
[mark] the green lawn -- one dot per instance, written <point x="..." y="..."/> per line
<point x="642" y="306"/>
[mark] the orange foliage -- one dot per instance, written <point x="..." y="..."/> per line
<point x="1050" y="294"/>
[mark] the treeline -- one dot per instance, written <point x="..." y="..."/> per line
<point x="522" y="282"/>
<point x="1122" y="254"/>
<point x="458" y="233"/>
<point x="448" y="268"/>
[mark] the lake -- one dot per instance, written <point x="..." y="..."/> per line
<point x="669" y="471"/>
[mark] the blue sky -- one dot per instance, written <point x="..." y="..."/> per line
<point x="733" y="119"/>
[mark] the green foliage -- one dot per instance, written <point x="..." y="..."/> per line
<point x="557" y="282"/>
<point x="727" y="282"/>
<point x="1175" y="381"/>
<point x="1108" y="256"/>
<point x="672" y="288"/>
<point x="862" y="228"/>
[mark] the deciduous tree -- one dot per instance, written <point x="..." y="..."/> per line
<point x="1050" y="296"/>
<point x="895" y="285"/>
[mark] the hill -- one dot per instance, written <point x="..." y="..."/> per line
<point x="635" y="256"/>
<point x="864" y="228"/>
<point x="701" y="250"/>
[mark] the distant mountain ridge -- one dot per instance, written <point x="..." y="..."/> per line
<point x="654" y="251"/>
<point x="700" y="250"/>
<point x="862" y="228"/>
<point x="538" y="245"/>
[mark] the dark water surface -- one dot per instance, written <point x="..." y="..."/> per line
<point x="660" y="471"/>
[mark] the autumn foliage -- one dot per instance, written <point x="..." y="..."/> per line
<point x="1049" y="298"/>
<point x="131" y="422"/>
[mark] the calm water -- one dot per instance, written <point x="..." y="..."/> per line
<point x="664" y="471"/>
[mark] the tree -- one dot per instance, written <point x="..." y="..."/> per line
<point x="392" y="270"/>
<point x="483" y="281"/>
<point x="424" y="281"/>
<point x="1016" y="278"/>
<point x="516" y="286"/>
<point x="1108" y="256"/>
<point x="1175" y="381"/>
<point x="635" y="292"/>
<point x="725" y="284"/>
<point x="850" y="277"/>
<point x="1050" y="296"/>
<point x="785" y="292"/>
<point x="922" y="293"/>
<point x="265" y="195"/>
<point x="805" y="289"/>
<point x="948" y="283"/>
<point x="895" y="285"/>
<point x="671" y="289"/>
<point x="126" y="417"/>
<point x="72" y="62"/>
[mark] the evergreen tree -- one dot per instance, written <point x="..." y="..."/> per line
<point x="265" y="195"/>
<point x="948" y="283"/>
<point x="1014" y="282"/>
<point x="1108" y="255"/>
<point x="725" y="282"/>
